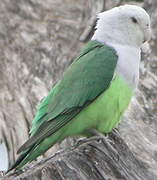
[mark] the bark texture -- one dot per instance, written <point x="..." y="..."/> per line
<point x="38" y="39"/>
<point x="106" y="159"/>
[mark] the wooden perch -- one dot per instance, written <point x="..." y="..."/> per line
<point x="98" y="158"/>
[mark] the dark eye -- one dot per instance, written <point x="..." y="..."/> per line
<point x="134" y="20"/>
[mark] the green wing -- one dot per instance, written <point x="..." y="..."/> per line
<point x="85" y="79"/>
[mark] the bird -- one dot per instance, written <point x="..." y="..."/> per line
<point x="96" y="88"/>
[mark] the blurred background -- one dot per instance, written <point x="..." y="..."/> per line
<point x="38" y="40"/>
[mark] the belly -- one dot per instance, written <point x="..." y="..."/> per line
<point x="105" y="112"/>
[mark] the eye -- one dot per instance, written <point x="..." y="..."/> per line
<point x="134" y="20"/>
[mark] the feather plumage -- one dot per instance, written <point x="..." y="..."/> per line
<point x="86" y="78"/>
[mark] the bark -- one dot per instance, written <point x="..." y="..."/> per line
<point x="38" y="41"/>
<point x="102" y="159"/>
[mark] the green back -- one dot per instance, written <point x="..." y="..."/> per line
<point x="86" y="78"/>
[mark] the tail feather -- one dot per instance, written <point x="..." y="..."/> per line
<point x="35" y="150"/>
<point x="19" y="160"/>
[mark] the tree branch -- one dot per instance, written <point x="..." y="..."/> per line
<point x="100" y="158"/>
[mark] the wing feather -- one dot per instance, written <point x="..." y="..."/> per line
<point x="86" y="78"/>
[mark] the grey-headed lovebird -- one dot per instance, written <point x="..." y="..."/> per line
<point x="96" y="88"/>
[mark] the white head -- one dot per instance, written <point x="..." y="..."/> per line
<point x="125" y="25"/>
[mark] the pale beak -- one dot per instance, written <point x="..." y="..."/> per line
<point x="145" y="48"/>
<point x="147" y="34"/>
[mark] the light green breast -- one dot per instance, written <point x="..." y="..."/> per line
<point x="102" y="114"/>
<point x="105" y="112"/>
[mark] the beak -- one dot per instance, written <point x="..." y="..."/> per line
<point x="147" y="35"/>
<point x="145" y="48"/>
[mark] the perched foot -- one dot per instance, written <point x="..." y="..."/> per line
<point x="99" y="135"/>
<point x="95" y="136"/>
<point x="87" y="140"/>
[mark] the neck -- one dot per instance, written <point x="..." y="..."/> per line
<point x="128" y="61"/>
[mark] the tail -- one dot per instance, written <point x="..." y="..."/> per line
<point x="34" y="151"/>
<point x="17" y="164"/>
